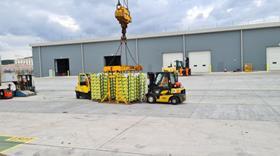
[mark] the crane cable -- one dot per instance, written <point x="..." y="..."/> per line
<point x="125" y="2"/>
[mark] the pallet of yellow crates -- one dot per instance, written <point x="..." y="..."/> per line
<point x="125" y="88"/>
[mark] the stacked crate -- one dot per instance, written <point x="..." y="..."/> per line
<point x="138" y="88"/>
<point x="99" y="86"/>
<point x="124" y="87"/>
<point x="142" y="86"/>
<point x="95" y="86"/>
<point x="132" y="87"/>
<point x="104" y="79"/>
<point x="112" y="79"/>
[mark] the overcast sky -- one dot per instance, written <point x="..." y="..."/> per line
<point x="27" y="21"/>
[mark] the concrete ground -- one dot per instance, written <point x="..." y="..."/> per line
<point x="226" y="114"/>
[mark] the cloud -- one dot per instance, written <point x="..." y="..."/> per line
<point x="198" y="13"/>
<point x="261" y="20"/>
<point x="259" y="3"/>
<point x="13" y="46"/>
<point x="65" y="21"/>
<point x="52" y="20"/>
<point x="229" y="10"/>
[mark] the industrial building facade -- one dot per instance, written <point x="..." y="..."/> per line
<point x="209" y="50"/>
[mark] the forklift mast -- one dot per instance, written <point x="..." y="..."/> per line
<point x="187" y="62"/>
<point x="180" y="64"/>
<point x="25" y="82"/>
<point x="151" y="78"/>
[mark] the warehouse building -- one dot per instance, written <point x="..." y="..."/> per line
<point x="209" y="50"/>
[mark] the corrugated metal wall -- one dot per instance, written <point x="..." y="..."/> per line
<point x="255" y="44"/>
<point x="225" y="50"/>
<point x="36" y="61"/>
<point x="151" y="50"/>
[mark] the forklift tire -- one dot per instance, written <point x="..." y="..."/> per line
<point x="78" y="96"/>
<point x="88" y="96"/>
<point x="151" y="99"/>
<point x="174" y="100"/>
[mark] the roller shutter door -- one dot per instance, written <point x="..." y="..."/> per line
<point x="273" y="58"/>
<point x="200" y="62"/>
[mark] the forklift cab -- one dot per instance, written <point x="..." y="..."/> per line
<point x="162" y="80"/>
<point x="83" y="88"/>
<point x="165" y="88"/>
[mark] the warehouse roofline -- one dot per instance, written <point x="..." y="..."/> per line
<point x="166" y="34"/>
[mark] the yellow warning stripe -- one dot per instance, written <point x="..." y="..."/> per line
<point x="21" y="140"/>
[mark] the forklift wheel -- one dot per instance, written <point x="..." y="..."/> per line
<point x="151" y="99"/>
<point x="78" y="96"/>
<point x="88" y="96"/>
<point x="174" y="100"/>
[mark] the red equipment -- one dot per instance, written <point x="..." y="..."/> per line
<point x="6" y="93"/>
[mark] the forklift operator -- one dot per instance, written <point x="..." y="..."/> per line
<point x="164" y="82"/>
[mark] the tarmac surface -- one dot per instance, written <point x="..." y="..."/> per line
<point x="232" y="114"/>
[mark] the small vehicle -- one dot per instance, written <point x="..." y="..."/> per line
<point x="24" y="86"/>
<point x="183" y="70"/>
<point x="6" y="93"/>
<point x="179" y="68"/>
<point x="83" y="88"/>
<point x="165" y="88"/>
<point x="25" y="82"/>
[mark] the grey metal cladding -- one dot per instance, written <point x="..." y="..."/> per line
<point x="224" y="47"/>
<point x="225" y="50"/>
<point x="36" y="63"/>
<point x="255" y="44"/>
<point x="72" y="52"/>
<point x="151" y="50"/>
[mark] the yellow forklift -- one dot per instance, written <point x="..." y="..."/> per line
<point x="83" y="88"/>
<point x="183" y="69"/>
<point x="179" y="68"/>
<point x="165" y="88"/>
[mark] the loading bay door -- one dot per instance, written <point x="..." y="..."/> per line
<point x="273" y="58"/>
<point x="61" y="67"/>
<point x="170" y="59"/>
<point x="200" y="62"/>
